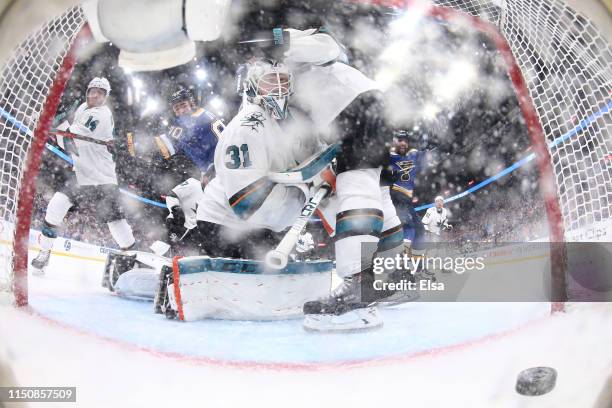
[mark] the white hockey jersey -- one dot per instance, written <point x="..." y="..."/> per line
<point x="324" y="86"/>
<point x="434" y="220"/>
<point x="241" y="196"/>
<point x="187" y="195"/>
<point x="94" y="164"/>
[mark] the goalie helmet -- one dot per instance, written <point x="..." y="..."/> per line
<point x="101" y="83"/>
<point x="269" y="84"/>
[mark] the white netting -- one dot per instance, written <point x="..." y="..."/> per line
<point x="567" y="66"/>
<point x="25" y="81"/>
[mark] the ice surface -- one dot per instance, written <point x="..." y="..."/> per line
<point x="408" y="329"/>
<point x="119" y="353"/>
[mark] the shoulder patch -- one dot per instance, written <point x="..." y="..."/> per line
<point x="253" y="120"/>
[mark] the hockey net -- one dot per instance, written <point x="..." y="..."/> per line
<point x="31" y="84"/>
<point x="562" y="67"/>
<point x="565" y="62"/>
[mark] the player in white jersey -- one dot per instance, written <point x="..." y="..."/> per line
<point x="242" y="209"/>
<point x="436" y="219"/>
<point x="96" y="180"/>
<point x="343" y="106"/>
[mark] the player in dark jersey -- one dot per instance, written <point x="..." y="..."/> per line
<point x="406" y="163"/>
<point x="191" y="137"/>
<point x="184" y="156"/>
<point x="190" y="142"/>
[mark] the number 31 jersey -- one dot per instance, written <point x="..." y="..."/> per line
<point x="241" y="196"/>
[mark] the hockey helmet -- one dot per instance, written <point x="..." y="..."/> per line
<point x="269" y="84"/>
<point x="101" y="83"/>
<point x="181" y="94"/>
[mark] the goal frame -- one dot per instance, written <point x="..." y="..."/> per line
<point x="27" y="190"/>
<point x="547" y="179"/>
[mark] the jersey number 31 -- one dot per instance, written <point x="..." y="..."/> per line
<point x="238" y="156"/>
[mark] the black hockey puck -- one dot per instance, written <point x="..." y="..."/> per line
<point x="536" y="381"/>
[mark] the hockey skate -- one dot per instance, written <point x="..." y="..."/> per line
<point x="350" y="307"/>
<point x="116" y="264"/>
<point x="400" y="296"/>
<point x="40" y="262"/>
<point x="424" y="274"/>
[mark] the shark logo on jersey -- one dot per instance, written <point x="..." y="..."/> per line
<point x="253" y="121"/>
<point x="405" y="168"/>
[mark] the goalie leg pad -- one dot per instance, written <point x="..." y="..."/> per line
<point x="237" y="289"/>
<point x="162" y="300"/>
<point x="359" y="220"/>
<point x="137" y="283"/>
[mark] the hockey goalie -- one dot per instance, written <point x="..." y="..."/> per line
<point x="265" y="184"/>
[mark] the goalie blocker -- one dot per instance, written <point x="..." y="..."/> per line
<point x="201" y="287"/>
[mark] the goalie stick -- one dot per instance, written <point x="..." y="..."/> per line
<point x="277" y="258"/>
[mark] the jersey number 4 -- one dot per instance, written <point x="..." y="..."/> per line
<point x="238" y="156"/>
<point x="91" y="124"/>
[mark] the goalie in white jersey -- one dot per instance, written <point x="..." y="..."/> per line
<point x="242" y="209"/>
<point x="94" y="168"/>
<point x="343" y="106"/>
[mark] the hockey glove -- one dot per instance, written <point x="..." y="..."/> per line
<point x="327" y="175"/>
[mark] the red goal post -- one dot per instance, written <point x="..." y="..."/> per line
<point x="32" y="82"/>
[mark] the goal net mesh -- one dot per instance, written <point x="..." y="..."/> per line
<point x="25" y="82"/>
<point x="566" y="63"/>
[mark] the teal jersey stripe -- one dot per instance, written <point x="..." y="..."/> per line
<point x="391" y="239"/>
<point x="251" y="198"/>
<point x="359" y="224"/>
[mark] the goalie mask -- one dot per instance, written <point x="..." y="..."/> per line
<point x="269" y="84"/>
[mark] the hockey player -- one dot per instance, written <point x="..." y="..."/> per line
<point x="347" y="107"/>
<point x="96" y="180"/>
<point x="189" y="143"/>
<point x="436" y="219"/>
<point x="242" y="209"/>
<point x="184" y="158"/>
<point x="405" y="165"/>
